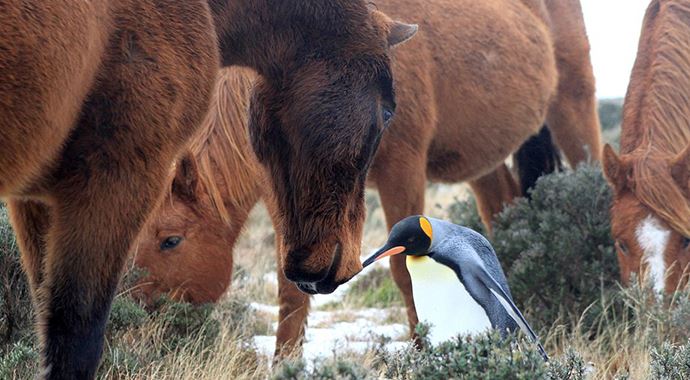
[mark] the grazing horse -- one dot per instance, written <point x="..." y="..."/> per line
<point x="187" y="247"/>
<point x="650" y="216"/>
<point x="97" y="99"/>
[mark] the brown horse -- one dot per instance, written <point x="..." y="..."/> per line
<point x="480" y="78"/>
<point x="650" y="216"/>
<point x="97" y="99"/>
<point x="187" y="245"/>
<point x="192" y="233"/>
<point x="482" y="72"/>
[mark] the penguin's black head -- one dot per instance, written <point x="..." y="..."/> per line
<point x="411" y="236"/>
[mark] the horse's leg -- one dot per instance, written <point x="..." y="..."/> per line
<point x="402" y="194"/>
<point x="110" y="177"/>
<point x="93" y="224"/>
<point x="292" y="317"/>
<point x="493" y="191"/>
<point x="30" y="221"/>
<point x="572" y="116"/>
<point x="294" y="304"/>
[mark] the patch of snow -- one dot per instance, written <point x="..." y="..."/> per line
<point x="271" y="278"/>
<point x="263" y="308"/>
<point x="357" y="335"/>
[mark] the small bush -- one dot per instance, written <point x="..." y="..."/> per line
<point x="481" y="357"/>
<point x="16" y="314"/>
<point x="556" y="249"/>
<point x="336" y="368"/>
<point x="465" y="213"/>
<point x="18" y="360"/>
<point x="125" y="314"/>
<point x="671" y="362"/>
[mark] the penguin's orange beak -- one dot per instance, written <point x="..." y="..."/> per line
<point x="383" y="252"/>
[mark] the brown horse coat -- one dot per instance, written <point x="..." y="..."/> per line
<point x="91" y="119"/>
<point x="98" y="98"/>
<point x="442" y="98"/>
<point x="651" y="179"/>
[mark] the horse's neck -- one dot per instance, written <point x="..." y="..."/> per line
<point x="657" y="106"/>
<point x="268" y="36"/>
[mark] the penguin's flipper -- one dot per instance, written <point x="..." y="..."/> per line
<point x="510" y="307"/>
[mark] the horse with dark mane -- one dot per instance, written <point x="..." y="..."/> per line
<point x="98" y="98"/>
<point x="458" y="117"/>
<point x="650" y="216"/>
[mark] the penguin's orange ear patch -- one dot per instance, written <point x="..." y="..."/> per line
<point x="426" y="227"/>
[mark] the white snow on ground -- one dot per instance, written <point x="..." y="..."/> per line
<point x="271" y="278"/>
<point x="340" y="330"/>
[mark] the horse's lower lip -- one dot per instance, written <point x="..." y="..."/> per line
<point x="307" y="287"/>
<point x="328" y="285"/>
<point x="317" y="288"/>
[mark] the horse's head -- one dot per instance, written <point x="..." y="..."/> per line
<point x="650" y="217"/>
<point x="316" y="131"/>
<point x="185" y="249"/>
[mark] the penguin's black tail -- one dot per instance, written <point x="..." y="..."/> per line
<point x="536" y="157"/>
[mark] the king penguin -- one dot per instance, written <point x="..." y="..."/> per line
<point x="458" y="285"/>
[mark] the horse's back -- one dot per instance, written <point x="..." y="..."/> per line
<point x="49" y="55"/>
<point x="486" y="73"/>
<point x="54" y="54"/>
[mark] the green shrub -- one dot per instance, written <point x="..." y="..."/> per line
<point x="125" y="314"/>
<point x="336" y="368"/>
<point x="671" y="362"/>
<point x="485" y="356"/>
<point x="556" y="249"/>
<point x="570" y="366"/>
<point x="16" y="313"/>
<point x="18" y="360"/>
<point x="465" y="213"/>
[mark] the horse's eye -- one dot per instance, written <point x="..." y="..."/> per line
<point x="387" y="115"/>
<point x="686" y="242"/>
<point x="622" y="247"/>
<point x="171" y="242"/>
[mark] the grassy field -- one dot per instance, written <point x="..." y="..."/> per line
<point x="590" y="326"/>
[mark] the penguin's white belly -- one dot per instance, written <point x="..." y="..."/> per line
<point x="442" y="301"/>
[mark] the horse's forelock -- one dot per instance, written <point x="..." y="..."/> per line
<point x="656" y="189"/>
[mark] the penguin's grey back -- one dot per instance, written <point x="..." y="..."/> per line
<point x="462" y="240"/>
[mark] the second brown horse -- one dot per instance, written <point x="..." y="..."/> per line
<point x="477" y="81"/>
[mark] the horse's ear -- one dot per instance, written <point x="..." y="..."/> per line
<point x="401" y="32"/>
<point x="680" y="169"/>
<point x="397" y="32"/>
<point x="186" y="180"/>
<point x="615" y="170"/>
